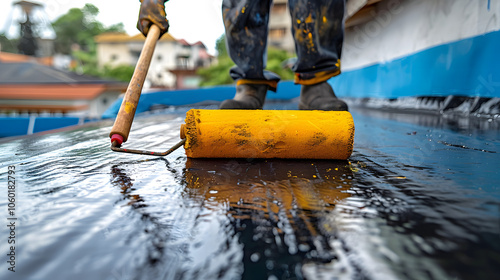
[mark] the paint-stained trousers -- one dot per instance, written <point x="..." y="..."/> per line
<point x="317" y="28"/>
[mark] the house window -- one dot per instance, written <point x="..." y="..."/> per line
<point x="135" y="54"/>
<point x="199" y="63"/>
<point x="114" y="57"/>
<point x="278" y="8"/>
<point x="191" y="82"/>
<point x="159" y="57"/>
<point x="182" y="61"/>
<point x="277" y="34"/>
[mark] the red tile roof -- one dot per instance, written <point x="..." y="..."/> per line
<point x="115" y="37"/>
<point x="53" y="92"/>
<point x="14" y="57"/>
<point x="42" y="108"/>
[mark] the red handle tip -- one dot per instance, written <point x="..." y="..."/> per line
<point x="118" y="138"/>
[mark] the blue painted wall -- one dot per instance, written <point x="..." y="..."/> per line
<point x="469" y="67"/>
<point x="17" y="126"/>
<point x="13" y="126"/>
<point x="49" y="123"/>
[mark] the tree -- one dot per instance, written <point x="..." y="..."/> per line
<point x="220" y="46"/>
<point x="275" y="59"/>
<point x="8" y="45"/>
<point x="78" y="27"/>
<point x="121" y="72"/>
<point x="75" y="32"/>
<point x="218" y="74"/>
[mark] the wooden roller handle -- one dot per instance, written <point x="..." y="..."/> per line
<point x="126" y="114"/>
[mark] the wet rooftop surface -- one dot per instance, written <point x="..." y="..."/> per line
<point x="418" y="199"/>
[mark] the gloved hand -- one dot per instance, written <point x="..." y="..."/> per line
<point x="152" y="12"/>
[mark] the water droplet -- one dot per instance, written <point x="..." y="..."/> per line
<point x="269" y="264"/>
<point x="255" y="257"/>
<point x="304" y="247"/>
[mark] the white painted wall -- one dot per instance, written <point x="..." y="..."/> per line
<point x="164" y="58"/>
<point x="96" y="107"/>
<point x="278" y="21"/>
<point x="403" y="27"/>
<point x="113" y="54"/>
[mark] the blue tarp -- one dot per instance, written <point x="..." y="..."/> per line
<point x="286" y="90"/>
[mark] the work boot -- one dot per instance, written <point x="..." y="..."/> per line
<point x="247" y="97"/>
<point x="320" y="97"/>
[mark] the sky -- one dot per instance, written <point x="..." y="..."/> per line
<point x="192" y="20"/>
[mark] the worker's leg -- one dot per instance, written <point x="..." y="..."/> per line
<point x="318" y="30"/>
<point x="246" y="23"/>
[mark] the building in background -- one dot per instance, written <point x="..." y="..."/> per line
<point x="280" y="27"/>
<point x="30" y="88"/>
<point x="35" y="97"/>
<point x="173" y="65"/>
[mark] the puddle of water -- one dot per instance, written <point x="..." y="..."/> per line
<point x="402" y="207"/>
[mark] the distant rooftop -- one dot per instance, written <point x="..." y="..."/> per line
<point x="14" y="57"/>
<point x="119" y="37"/>
<point x="34" y="73"/>
<point x="27" y="4"/>
<point x="115" y="37"/>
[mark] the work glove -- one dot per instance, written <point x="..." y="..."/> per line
<point x="152" y="12"/>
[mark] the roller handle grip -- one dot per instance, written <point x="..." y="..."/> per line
<point x="125" y="117"/>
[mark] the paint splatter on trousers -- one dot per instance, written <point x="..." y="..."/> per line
<point x="317" y="29"/>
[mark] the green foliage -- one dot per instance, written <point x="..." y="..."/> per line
<point x="87" y="64"/>
<point x="275" y="59"/>
<point x="78" y="27"/>
<point x="75" y="33"/>
<point x="118" y="27"/>
<point x="218" y="74"/>
<point x="8" y="45"/>
<point x="220" y="46"/>
<point x="121" y="72"/>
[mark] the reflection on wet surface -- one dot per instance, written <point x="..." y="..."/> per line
<point x="406" y="206"/>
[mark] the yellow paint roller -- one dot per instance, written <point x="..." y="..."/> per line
<point x="263" y="134"/>
<point x="268" y="134"/>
